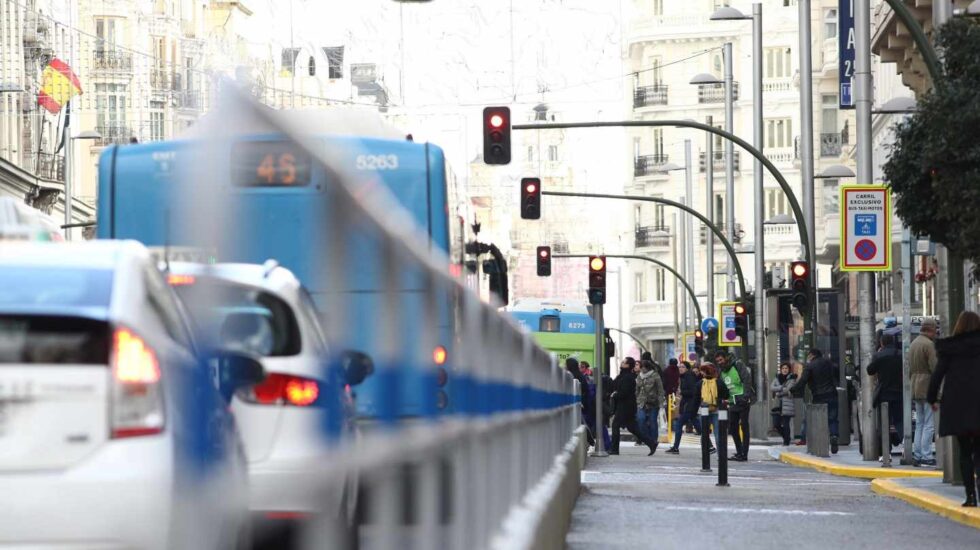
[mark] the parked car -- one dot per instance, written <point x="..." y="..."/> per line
<point x="112" y="432"/>
<point x="264" y="310"/>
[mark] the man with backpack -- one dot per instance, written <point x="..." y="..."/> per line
<point x="738" y="379"/>
<point x="822" y="376"/>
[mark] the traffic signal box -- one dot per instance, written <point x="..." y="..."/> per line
<point x="699" y="342"/>
<point x="530" y="198"/>
<point x="597" y="280"/>
<point x="742" y="321"/>
<point x="544" y="261"/>
<point x="496" y="135"/>
<point x="800" y="283"/>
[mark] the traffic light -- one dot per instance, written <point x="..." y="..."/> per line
<point x="610" y="344"/>
<point x="496" y="135"/>
<point x="597" y="280"/>
<point x="530" y="198"/>
<point x="800" y="283"/>
<point x="699" y="342"/>
<point x="742" y="321"/>
<point x="544" y="261"/>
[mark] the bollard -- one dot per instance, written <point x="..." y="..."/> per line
<point x="722" y="447"/>
<point x="817" y="430"/>
<point x="705" y="439"/>
<point x="886" y="444"/>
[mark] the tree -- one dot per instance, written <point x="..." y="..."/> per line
<point x="934" y="165"/>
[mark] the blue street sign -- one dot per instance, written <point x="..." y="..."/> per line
<point x="708" y="324"/>
<point x="845" y="51"/>
<point x="865" y="224"/>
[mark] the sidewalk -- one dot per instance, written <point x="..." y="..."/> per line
<point x="849" y="463"/>
<point x="930" y="494"/>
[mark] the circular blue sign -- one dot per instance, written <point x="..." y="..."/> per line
<point x="708" y="324"/>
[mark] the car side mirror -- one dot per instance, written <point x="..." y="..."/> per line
<point x="357" y="366"/>
<point x="235" y="370"/>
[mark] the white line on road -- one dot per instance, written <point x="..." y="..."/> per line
<point x="772" y="511"/>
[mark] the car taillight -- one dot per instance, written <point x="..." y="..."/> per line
<point x="137" y="396"/>
<point x="282" y="389"/>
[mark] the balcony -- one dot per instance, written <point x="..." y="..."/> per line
<point x="718" y="160"/>
<point x="715" y="93"/>
<point x="48" y="166"/>
<point x="739" y="233"/>
<point x="830" y="144"/>
<point x="165" y="80"/>
<point x="190" y="99"/>
<point x="116" y="134"/>
<point x="784" y="84"/>
<point x="644" y="96"/>
<point x="648" y="165"/>
<point x="113" y="61"/>
<point x="652" y="236"/>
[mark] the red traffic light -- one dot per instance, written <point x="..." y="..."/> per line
<point x="496" y="121"/>
<point x="544" y="261"/>
<point x="496" y="135"/>
<point x="698" y="335"/>
<point x="799" y="270"/>
<point x="597" y="263"/>
<point x="531" y="187"/>
<point x="543" y="252"/>
<point x="740" y="309"/>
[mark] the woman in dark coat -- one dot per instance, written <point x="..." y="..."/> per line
<point x="957" y="374"/>
<point x="690" y="388"/>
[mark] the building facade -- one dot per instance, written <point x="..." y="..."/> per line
<point x="668" y="43"/>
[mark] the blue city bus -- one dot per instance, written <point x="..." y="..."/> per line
<point x="563" y="328"/>
<point x="275" y="186"/>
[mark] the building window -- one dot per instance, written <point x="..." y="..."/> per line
<point x="779" y="62"/>
<point x="660" y="285"/>
<point x="335" y="61"/>
<point x="553" y="153"/>
<point x="779" y="133"/>
<point x="289" y="56"/>
<point x="530" y="153"/>
<point x="830" y="24"/>
<point x="156" y="120"/>
<point x="105" y="31"/>
<point x="828" y="103"/>
<point x="658" y="7"/>
<point x="659" y="217"/>
<point x="637" y="216"/>
<point x="653" y="73"/>
<point x="718" y="65"/>
<point x="658" y="142"/>
<point x="110" y="105"/>
<point x="719" y="210"/>
<point x="639" y="288"/>
<point x="831" y="196"/>
<point x="775" y="203"/>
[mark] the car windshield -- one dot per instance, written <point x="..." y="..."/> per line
<point x="46" y="286"/>
<point x="241" y="318"/>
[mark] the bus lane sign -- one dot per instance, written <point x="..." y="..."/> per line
<point x="865" y="228"/>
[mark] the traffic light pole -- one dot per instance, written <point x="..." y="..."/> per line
<point x="600" y="444"/>
<point x="690" y="291"/>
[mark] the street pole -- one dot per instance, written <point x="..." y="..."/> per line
<point x="69" y="174"/>
<point x="675" y="245"/>
<point x="709" y="206"/>
<point x="806" y="147"/>
<point x="862" y="105"/>
<point x="729" y="163"/>
<point x="682" y="232"/>
<point x="600" y="444"/>
<point x="760" y="245"/>
<point x="688" y="222"/>
<point x="906" y="342"/>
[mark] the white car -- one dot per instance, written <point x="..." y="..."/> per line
<point x="112" y="433"/>
<point x="265" y="311"/>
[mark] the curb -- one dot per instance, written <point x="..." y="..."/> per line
<point x="863" y="472"/>
<point x="928" y="501"/>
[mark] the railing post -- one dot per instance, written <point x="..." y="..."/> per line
<point x="705" y="439"/>
<point x="886" y="444"/>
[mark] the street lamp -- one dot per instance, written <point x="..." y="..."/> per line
<point x="70" y="175"/>
<point x="973" y="10"/>
<point x="835" y="171"/>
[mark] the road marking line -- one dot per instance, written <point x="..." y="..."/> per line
<point x="770" y="511"/>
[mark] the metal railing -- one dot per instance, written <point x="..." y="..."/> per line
<point x="118" y="134"/>
<point x="48" y="166"/>
<point x="654" y="236"/>
<point x="718" y="160"/>
<point x="739" y="233"/>
<point x="650" y="95"/>
<point x="645" y="165"/>
<point x="715" y="93"/>
<point x="161" y="79"/>
<point x="113" y="60"/>
<point x="500" y="466"/>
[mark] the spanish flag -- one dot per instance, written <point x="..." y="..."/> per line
<point x="58" y="85"/>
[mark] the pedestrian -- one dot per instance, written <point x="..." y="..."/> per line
<point x="649" y="397"/>
<point x="588" y="395"/>
<point x="714" y="395"/>
<point x="738" y="379"/>
<point x="958" y="376"/>
<point x="887" y="366"/>
<point x="624" y="415"/>
<point x="671" y="377"/>
<point x="783" y="409"/>
<point x="690" y="400"/>
<point x="922" y="363"/>
<point x="586" y="369"/>
<point x="822" y="376"/>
